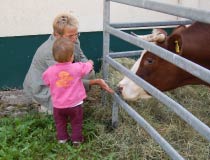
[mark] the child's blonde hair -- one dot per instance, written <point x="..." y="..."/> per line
<point x="63" y="20"/>
<point x="63" y="50"/>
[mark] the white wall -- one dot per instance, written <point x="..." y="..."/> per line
<point x="199" y="4"/>
<point x="32" y="17"/>
<point x="124" y="13"/>
<point x="204" y="4"/>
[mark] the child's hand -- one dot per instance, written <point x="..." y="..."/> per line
<point x="90" y="61"/>
<point x="105" y="86"/>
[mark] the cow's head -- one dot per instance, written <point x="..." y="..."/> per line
<point x="158" y="72"/>
<point x="129" y="89"/>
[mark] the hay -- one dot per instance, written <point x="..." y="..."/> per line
<point x="178" y="133"/>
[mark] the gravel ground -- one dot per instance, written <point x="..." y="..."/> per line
<point x="14" y="103"/>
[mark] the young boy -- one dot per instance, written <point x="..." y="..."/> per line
<point x="67" y="90"/>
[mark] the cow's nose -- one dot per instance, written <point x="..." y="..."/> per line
<point x="119" y="89"/>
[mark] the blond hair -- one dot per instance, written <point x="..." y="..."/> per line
<point x="62" y="21"/>
<point x="63" y="50"/>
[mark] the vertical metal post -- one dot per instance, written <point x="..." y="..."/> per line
<point x="106" y="43"/>
<point x="115" y="109"/>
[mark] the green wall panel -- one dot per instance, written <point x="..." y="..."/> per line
<point x="15" y="58"/>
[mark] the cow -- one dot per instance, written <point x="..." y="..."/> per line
<point x="192" y="43"/>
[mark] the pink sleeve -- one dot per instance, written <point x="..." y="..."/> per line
<point x="45" y="78"/>
<point x="86" y="68"/>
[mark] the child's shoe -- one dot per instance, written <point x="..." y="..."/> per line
<point x="76" y="143"/>
<point x="62" y="141"/>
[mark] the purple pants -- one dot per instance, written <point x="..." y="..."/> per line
<point x="73" y="115"/>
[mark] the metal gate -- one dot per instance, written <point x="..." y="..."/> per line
<point x="194" y="69"/>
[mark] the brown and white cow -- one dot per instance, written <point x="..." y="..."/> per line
<point x="192" y="43"/>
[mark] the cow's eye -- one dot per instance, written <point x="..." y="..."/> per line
<point x="149" y="60"/>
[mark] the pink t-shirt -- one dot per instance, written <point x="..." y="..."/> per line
<point x="65" y="82"/>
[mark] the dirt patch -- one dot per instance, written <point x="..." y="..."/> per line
<point x="15" y="103"/>
<point x="16" y="97"/>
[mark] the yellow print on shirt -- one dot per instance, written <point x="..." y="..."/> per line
<point x="64" y="79"/>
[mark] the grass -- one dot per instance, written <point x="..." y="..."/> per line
<point x="32" y="136"/>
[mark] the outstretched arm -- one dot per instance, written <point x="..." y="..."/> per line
<point x="102" y="84"/>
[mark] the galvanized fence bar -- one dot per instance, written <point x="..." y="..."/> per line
<point x="179" y="61"/>
<point x="190" y="13"/>
<point x="106" y="36"/>
<point x="151" y="24"/>
<point x="106" y="44"/>
<point x="153" y="133"/>
<point x="115" y="110"/>
<point x="125" y="54"/>
<point x="199" y="126"/>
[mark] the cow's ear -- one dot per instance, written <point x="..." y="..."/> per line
<point x="178" y="29"/>
<point x="174" y="44"/>
<point x="158" y="36"/>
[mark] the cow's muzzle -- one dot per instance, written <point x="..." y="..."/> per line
<point x="118" y="89"/>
